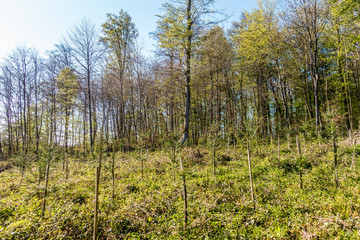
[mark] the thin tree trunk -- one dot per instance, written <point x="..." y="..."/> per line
<point x="90" y="110"/>
<point x="1" y="150"/>
<point x="298" y="145"/>
<point x="185" y="193"/>
<point x="46" y="183"/>
<point x="214" y="158"/>
<point x="335" y="160"/>
<point x="250" y="174"/>
<point x="142" y="164"/>
<point x="300" y="169"/>
<point x="66" y="166"/>
<point x="188" y="72"/>
<point x="113" y="174"/>
<point x="96" y="208"/>
<point x="353" y="155"/>
<point x="173" y="149"/>
<point x="279" y="147"/>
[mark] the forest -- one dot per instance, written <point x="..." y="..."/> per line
<point x="240" y="133"/>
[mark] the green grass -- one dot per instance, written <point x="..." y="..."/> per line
<point x="220" y="206"/>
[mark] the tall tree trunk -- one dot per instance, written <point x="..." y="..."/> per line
<point x="89" y="107"/>
<point x="188" y="72"/>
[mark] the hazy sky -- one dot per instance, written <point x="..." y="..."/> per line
<point x="42" y="23"/>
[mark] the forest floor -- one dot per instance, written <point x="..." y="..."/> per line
<point x="219" y="206"/>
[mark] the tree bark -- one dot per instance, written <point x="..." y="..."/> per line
<point x="188" y="72"/>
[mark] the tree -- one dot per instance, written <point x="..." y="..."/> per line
<point x="7" y="97"/>
<point x="257" y="45"/>
<point x="341" y="39"/>
<point x="346" y="7"/>
<point x="68" y="91"/>
<point x="86" y="51"/>
<point x="214" y="86"/>
<point x="181" y="25"/>
<point x="19" y="75"/>
<point x="119" y="34"/>
<point x="49" y="91"/>
<point x="307" y="20"/>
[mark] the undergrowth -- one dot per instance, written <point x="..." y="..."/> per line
<point x="220" y="206"/>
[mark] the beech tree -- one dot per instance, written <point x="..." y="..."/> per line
<point x="307" y="20"/>
<point x="214" y="84"/>
<point x="68" y="90"/>
<point x="347" y="7"/>
<point x="7" y="97"/>
<point x="86" y="51"/>
<point x="181" y="26"/>
<point x="119" y="34"/>
<point x="19" y="75"/>
<point x="254" y="37"/>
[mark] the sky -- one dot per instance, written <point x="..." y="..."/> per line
<point x="41" y="24"/>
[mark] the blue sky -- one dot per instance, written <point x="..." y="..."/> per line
<point x="42" y="23"/>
